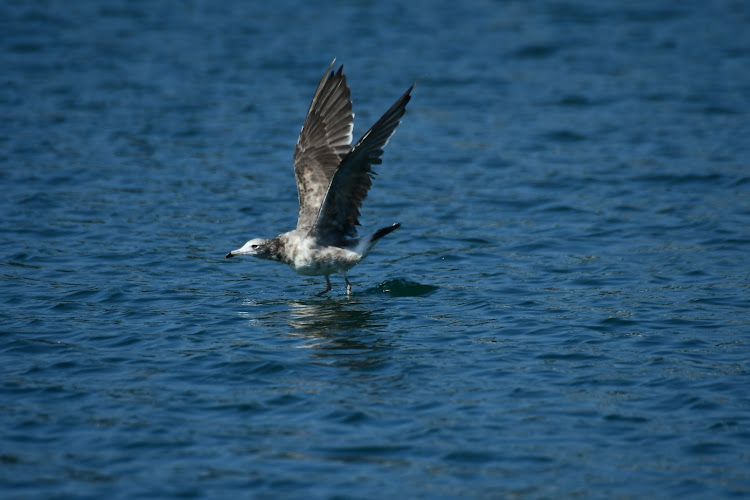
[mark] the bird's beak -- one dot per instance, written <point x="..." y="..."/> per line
<point x="229" y="255"/>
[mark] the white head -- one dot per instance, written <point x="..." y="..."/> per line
<point x="257" y="248"/>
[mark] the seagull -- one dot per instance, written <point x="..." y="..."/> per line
<point x="333" y="179"/>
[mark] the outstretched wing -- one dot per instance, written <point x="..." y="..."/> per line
<point x="339" y="214"/>
<point x="324" y="140"/>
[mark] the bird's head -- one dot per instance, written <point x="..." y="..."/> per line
<point x="257" y="247"/>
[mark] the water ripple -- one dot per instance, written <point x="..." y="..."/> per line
<point x="566" y="298"/>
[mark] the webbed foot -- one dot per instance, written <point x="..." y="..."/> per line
<point x="328" y="288"/>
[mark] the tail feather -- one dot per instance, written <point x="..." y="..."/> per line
<point x="384" y="231"/>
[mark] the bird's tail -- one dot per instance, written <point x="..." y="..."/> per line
<point x="384" y="231"/>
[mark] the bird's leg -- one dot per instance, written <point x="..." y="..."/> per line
<point x="348" y="285"/>
<point x="328" y="287"/>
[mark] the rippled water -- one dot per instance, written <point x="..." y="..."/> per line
<point x="563" y="314"/>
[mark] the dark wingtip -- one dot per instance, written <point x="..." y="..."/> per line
<point x="229" y="255"/>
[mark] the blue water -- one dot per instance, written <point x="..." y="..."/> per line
<point x="565" y="312"/>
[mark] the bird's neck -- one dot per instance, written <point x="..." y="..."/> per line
<point x="274" y="249"/>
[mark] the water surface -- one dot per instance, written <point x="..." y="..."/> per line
<point x="564" y="312"/>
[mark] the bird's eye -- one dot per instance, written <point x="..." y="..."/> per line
<point x="254" y="246"/>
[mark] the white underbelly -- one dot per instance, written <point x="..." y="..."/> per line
<point x="325" y="261"/>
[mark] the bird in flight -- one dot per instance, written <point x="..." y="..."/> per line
<point x="333" y="179"/>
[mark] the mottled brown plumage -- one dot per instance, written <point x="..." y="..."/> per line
<point x="333" y="179"/>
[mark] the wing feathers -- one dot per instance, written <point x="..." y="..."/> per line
<point x="325" y="138"/>
<point x="333" y="178"/>
<point x="339" y="213"/>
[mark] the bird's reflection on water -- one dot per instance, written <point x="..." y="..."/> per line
<point x="336" y="323"/>
<point x="324" y="324"/>
<point x="333" y="325"/>
<point x="343" y="332"/>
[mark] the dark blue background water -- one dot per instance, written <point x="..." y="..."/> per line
<point x="565" y="312"/>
